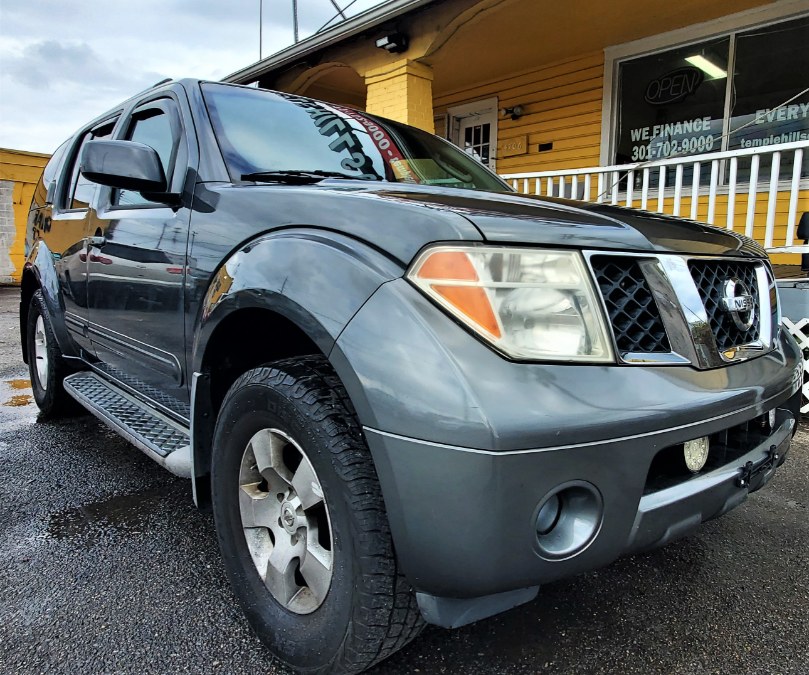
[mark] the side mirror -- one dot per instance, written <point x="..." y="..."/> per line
<point x="125" y="165"/>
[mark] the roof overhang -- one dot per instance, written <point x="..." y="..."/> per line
<point x="342" y="31"/>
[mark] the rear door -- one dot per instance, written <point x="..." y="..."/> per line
<point x="136" y="263"/>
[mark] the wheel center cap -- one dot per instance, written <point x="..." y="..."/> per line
<point x="289" y="518"/>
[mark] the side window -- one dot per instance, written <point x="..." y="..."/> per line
<point x="49" y="174"/>
<point x="151" y="127"/>
<point x="80" y="190"/>
<point x="53" y="165"/>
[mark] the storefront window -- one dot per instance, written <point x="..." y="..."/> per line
<point x="772" y="66"/>
<point x="676" y="103"/>
<point x="669" y="106"/>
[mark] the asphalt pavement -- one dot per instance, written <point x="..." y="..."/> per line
<point x="107" y="567"/>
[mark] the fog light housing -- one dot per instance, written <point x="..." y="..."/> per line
<point x="696" y="453"/>
<point x="568" y="519"/>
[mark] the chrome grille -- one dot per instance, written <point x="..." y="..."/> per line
<point x="711" y="277"/>
<point x="632" y="309"/>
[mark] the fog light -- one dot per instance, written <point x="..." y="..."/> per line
<point x="696" y="453"/>
<point x="771" y="419"/>
<point x="548" y="515"/>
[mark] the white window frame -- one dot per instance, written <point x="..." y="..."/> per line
<point x="458" y="112"/>
<point x="781" y="10"/>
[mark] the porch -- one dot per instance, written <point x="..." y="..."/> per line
<point x="758" y="191"/>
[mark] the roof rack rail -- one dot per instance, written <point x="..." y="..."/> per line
<point x="163" y="81"/>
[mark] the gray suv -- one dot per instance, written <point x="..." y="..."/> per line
<point x="408" y="394"/>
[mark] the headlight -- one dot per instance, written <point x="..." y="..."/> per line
<point x="530" y="304"/>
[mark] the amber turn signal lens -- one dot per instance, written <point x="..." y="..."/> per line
<point x="448" y="265"/>
<point x="471" y="301"/>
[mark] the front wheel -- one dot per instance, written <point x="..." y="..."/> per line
<point x="302" y="525"/>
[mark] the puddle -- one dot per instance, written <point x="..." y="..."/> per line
<point x="16" y="400"/>
<point x="19" y="401"/>
<point x="120" y="514"/>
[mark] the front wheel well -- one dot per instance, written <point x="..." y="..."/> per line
<point x="244" y="340"/>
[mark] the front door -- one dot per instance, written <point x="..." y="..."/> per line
<point x="136" y="266"/>
<point x="474" y="130"/>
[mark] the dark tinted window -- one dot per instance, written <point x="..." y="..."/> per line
<point x="152" y="128"/>
<point x="772" y="66"/>
<point x="266" y="131"/>
<point x="81" y="190"/>
<point x="672" y="103"/>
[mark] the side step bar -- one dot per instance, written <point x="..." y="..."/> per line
<point x="164" y="440"/>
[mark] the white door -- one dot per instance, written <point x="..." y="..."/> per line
<point x="475" y="130"/>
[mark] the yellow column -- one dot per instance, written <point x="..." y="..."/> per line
<point x="402" y="91"/>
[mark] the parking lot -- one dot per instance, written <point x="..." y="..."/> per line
<point x="107" y="567"/>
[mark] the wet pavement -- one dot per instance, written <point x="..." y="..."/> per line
<point x="106" y="567"/>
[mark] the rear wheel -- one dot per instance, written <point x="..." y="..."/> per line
<point x="301" y="522"/>
<point x="46" y="365"/>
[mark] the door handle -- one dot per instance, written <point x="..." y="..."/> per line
<point x="97" y="241"/>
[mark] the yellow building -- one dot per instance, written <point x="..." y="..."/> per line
<point x="19" y="173"/>
<point x="611" y="101"/>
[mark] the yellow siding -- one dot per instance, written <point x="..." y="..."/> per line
<point x="561" y="104"/>
<point x="19" y="173"/>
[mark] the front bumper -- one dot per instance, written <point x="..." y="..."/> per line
<point x="464" y="520"/>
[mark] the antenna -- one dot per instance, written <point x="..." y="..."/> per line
<point x="295" y="19"/>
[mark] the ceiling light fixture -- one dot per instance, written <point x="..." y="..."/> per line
<point x="395" y="43"/>
<point x="706" y="66"/>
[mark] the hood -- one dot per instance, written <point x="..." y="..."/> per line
<point x="525" y="219"/>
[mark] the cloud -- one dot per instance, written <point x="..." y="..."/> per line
<point x="61" y="63"/>
<point x="55" y="64"/>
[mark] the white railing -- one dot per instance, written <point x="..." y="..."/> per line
<point x="649" y="186"/>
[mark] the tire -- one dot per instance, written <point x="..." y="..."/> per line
<point x="301" y="430"/>
<point x="46" y="365"/>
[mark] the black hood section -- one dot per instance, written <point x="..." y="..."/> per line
<point x="524" y="219"/>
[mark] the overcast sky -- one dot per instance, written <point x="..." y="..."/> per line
<point x="63" y="63"/>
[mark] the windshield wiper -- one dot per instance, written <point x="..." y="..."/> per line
<point x="294" y="176"/>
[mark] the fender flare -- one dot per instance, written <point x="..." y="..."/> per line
<point x="316" y="279"/>
<point x="283" y="272"/>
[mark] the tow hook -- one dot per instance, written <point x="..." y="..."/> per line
<point x="749" y="472"/>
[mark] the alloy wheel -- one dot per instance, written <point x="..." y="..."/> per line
<point x="286" y="521"/>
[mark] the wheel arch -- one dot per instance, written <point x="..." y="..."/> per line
<point x="284" y="295"/>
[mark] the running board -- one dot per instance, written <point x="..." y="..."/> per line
<point x="164" y="440"/>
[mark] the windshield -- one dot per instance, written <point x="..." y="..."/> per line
<point x="264" y="132"/>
